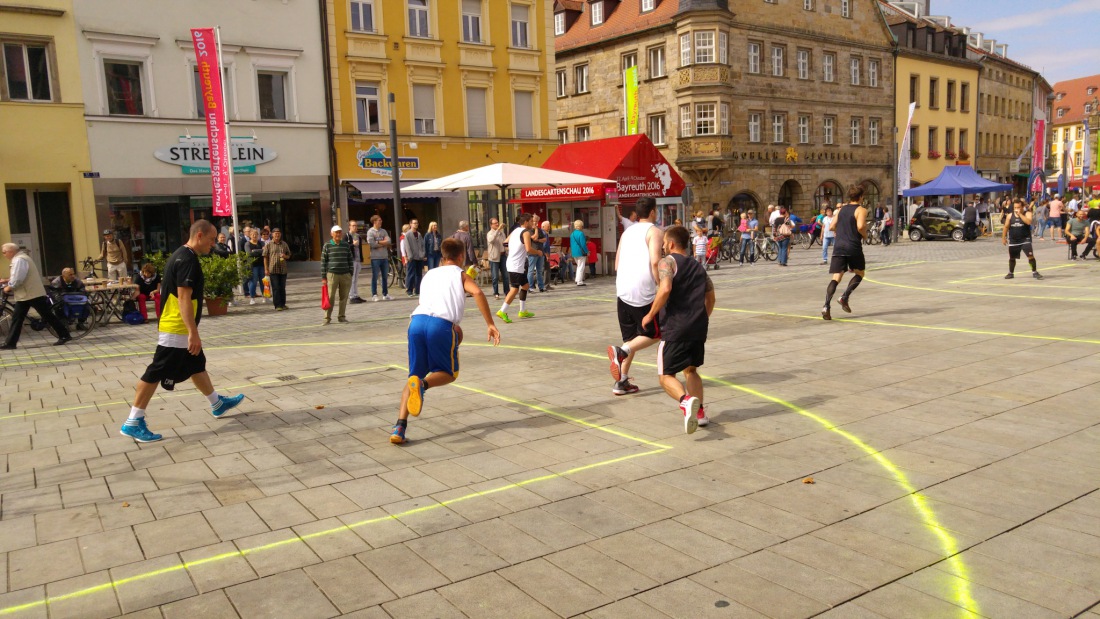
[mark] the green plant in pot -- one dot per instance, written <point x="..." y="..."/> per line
<point x="221" y="275"/>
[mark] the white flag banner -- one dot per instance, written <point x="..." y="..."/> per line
<point x="905" y="161"/>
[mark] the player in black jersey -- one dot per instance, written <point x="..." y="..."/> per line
<point x="1017" y="236"/>
<point x="850" y="225"/>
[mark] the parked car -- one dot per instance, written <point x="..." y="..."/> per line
<point x="936" y="222"/>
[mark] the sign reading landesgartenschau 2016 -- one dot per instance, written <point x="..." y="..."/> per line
<point x="192" y="154"/>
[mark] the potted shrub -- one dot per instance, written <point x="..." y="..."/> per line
<point x="914" y="154"/>
<point x="950" y="155"/>
<point x="222" y="275"/>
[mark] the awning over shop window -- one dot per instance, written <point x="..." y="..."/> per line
<point x="383" y="190"/>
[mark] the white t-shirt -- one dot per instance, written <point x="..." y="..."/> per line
<point x="517" y="252"/>
<point x="827" y="221"/>
<point x="773" y="217"/>
<point x="1071" y="208"/>
<point x="442" y="294"/>
<point x="700" y="245"/>
<point x="634" y="281"/>
<point x="626" y="223"/>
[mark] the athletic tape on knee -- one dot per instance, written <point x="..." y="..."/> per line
<point x="522" y="294"/>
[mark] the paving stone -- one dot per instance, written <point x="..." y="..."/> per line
<point x="16" y="533"/>
<point x="275" y="552"/>
<point x="162" y="537"/>
<point x="179" y="500"/>
<point x="456" y="555"/>
<point x="67" y="523"/>
<point x="686" y="598"/>
<point x="378" y="528"/>
<point x="95" y="604"/>
<point x="109" y="549"/>
<point x="897" y="601"/>
<point x="325" y="501"/>
<point x="171" y="583"/>
<point x="212" y="605"/>
<point x="33" y="598"/>
<point x="43" y="563"/>
<point x="637" y="551"/>
<point x="758" y="593"/>
<point x="597" y="570"/>
<point x="123" y="512"/>
<point x="630" y="608"/>
<point x="547" y="528"/>
<point x="402" y="570"/>
<point x="802" y="579"/>
<point x="370" y="492"/>
<point x="279" y="512"/>
<point x="217" y="566"/>
<point x="290" y="594"/>
<point x="426" y="604"/>
<point x="235" y="489"/>
<point x="506" y="541"/>
<point x="990" y="602"/>
<point x="491" y="596"/>
<point x="235" y="521"/>
<point x="349" y="585"/>
<point x="554" y="588"/>
<point x="85" y="492"/>
<point x="331" y="539"/>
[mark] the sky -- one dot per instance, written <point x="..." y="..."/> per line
<point x="1058" y="38"/>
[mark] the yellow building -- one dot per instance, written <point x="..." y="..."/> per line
<point x="47" y="204"/>
<point x="933" y="71"/>
<point x="472" y="86"/>
<point x="1076" y="102"/>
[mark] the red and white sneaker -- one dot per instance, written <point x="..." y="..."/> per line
<point x="689" y="406"/>
<point x="616" y="356"/>
<point x="624" y="387"/>
<point x="702" y="416"/>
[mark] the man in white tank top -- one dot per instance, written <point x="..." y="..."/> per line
<point x="520" y="246"/>
<point x="434" y="334"/>
<point x="636" y="286"/>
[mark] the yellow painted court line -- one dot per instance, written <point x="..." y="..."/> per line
<point x="974" y="279"/>
<point x="981" y="294"/>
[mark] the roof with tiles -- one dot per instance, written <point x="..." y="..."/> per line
<point x="1075" y="94"/>
<point x="621" y="17"/>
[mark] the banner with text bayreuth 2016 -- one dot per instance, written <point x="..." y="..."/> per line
<point x="217" y="133"/>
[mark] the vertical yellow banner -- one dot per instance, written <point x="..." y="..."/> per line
<point x="630" y="93"/>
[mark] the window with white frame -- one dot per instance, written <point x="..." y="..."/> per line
<point x="368" y="106"/>
<point x="596" y="9"/>
<point x="648" y="5"/>
<point x="124" y="87"/>
<point x="857" y="131"/>
<point x="582" y="133"/>
<point x="872" y="131"/>
<point x="27" y="71"/>
<point x="828" y="67"/>
<point x="273" y="95"/>
<point x="362" y="15"/>
<point x="685" y="121"/>
<point x="704" y="46"/>
<point x="724" y="119"/>
<point x="477" y="118"/>
<point x="808" y="5"/>
<point x="828" y="125"/>
<point x="723" y="47"/>
<point x="685" y="50"/>
<point x="559" y="25"/>
<point x="563" y="136"/>
<point x="754" y="57"/>
<point x="706" y="119"/>
<point x="845" y="8"/>
<point x="855" y="65"/>
<point x="418" y="18"/>
<point x="803" y="64"/>
<point x="227" y="88"/>
<point x="525" y="114"/>
<point x="424" y="109"/>
<point x="521" y="16"/>
<point x="629" y="60"/>
<point x="657" y="62"/>
<point x="560" y="78"/>
<point x="580" y="79"/>
<point x="778" y="60"/>
<point x="754" y="127"/>
<point x="657" y="133"/>
<point x="803" y="129"/>
<point x="471" y="21"/>
<point x="779" y="128"/>
<point x="872" y="73"/>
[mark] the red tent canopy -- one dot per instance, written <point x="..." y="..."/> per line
<point x="638" y="167"/>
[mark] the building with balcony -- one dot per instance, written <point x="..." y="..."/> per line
<point x="779" y="101"/>
<point x="472" y="86"/>
<point x="1075" y="103"/>
<point x="46" y="205"/>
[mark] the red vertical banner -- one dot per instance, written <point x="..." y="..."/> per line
<point x="217" y="133"/>
<point x="1039" y="151"/>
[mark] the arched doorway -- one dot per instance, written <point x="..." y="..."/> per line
<point x="872" y="196"/>
<point x="789" y="194"/>
<point x="830" y="191"/>
<point x="743" y="202"/>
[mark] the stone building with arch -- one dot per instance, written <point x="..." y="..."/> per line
<point x="756" y="102"/>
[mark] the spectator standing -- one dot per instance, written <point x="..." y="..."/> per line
<point x="433" y="245"/>
<point x="356" y="242"/>
<point x="276" y="254"/>
<point x="887" y="226"/>
<point x="25" y="285"/>
<point x="1058" y="219"/>
<point x="578" y="248"/>
<point x="749" y="230"/>
<point x="498" y="258"/>
<point x="255" y="250"/>
<point x="699" y="244"/>
<point x="783" y="230"/>
<point x="535" y="260"/>
<point x="114" y="252"/>
<point x="463" y="234"/>
<point x="336" y="272"/>
<point x="970" y="222"/>
<point x="380" y="243"/>
<point x="828" y="235"/>
<point x="413" y="244"/>
<point x="544" y="259"/>
<point x="1042" y="213"/>
<point x="221" y="248"/>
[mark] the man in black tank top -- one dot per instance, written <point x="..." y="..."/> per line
<point x="682" y="307"/>
<point x="1017" y="236"/>
<point x="850" y="225"/>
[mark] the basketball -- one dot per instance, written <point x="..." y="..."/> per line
<point x="458" y="335"/>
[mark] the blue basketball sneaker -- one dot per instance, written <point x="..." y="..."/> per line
<point x="225" y="404"/>
<point x="398" y="435"/>
<point x="137" y="430"/>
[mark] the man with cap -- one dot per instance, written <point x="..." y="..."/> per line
<point x="114" y="251"/>
<point x="336" y="265"/>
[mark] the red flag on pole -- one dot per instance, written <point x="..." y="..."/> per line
<point x="217" y="132"/>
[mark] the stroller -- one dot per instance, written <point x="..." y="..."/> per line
<point x="553" y="262"/>
<point x="714" y="250"/>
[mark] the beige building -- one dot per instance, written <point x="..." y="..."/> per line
<point x="1075" y="103"/>
<point x="783" y="101"/>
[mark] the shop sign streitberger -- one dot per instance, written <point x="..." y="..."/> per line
<point x="192" y="154"/>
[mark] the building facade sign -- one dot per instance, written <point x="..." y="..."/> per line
<point x="377" y="162"/>
<point x="192" y="154"/>
<point x="565" y="192"/>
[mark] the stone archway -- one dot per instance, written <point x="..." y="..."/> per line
<point x="743" y="201"/>
<point x="872" y="195"/>
<point x="830" y="191"/>
<point x="790" y="195"/>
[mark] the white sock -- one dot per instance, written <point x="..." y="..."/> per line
<point x="626" y="349"/>
<point x="522" y="305"/>
<point x="212" y="398"/>
<point x="136" y="413"/>
<point x="504" y="308"/>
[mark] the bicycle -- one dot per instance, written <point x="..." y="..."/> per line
<point x="874" y="234"/>
<point x="78" y="323"/>
<point x="767" y="247"/>
<point x="802" y="237"/>
<point x="731" y="248"/>
<point x="397" y="270"/>
<point x="90" y="267"/>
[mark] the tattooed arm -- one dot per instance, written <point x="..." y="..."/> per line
<point x="666" y="270"/>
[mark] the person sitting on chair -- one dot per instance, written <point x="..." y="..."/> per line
<point x="148" y="284"/>
<point x="70" y="284"/>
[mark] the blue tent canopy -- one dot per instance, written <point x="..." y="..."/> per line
<point x="956" y="181"/>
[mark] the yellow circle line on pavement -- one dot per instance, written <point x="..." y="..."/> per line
<point x="981" y="294"/>
<point x="974" y="279"/>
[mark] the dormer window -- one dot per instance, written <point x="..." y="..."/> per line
<point x="1092" y="89"/>
<point x="1059" y="96"/>
<point x="1061" y="112"/>
<point x="597" y="13"/>
<point x="648" y="5"/>
<point x="559" y="24"/>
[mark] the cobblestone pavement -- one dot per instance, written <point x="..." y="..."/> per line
<point x="948" y="427"/>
